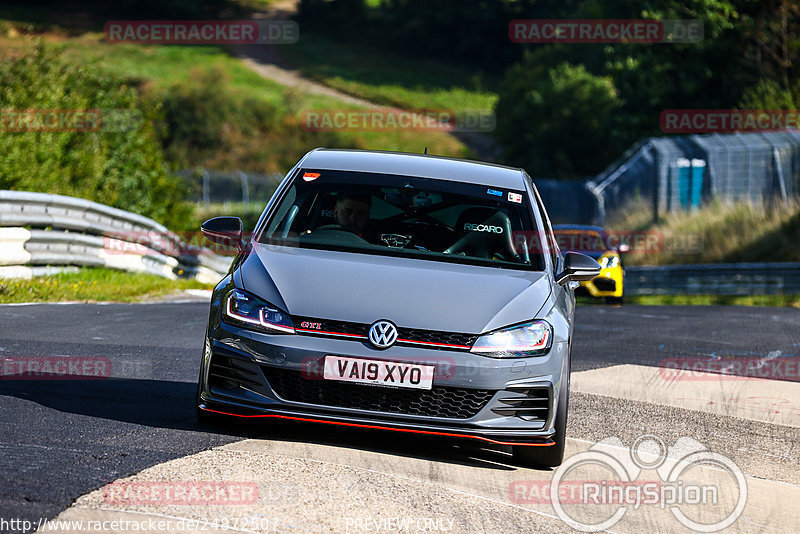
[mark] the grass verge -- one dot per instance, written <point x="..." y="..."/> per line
<point x="156" y="69"/>
<point x="92" y="285"/>
<point x="777" y="301"/>
<point x="402" y="82"/>
<point x="718" y="233"/>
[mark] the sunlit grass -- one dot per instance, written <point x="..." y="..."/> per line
<point x="718" y="233"/>
<point x="92" y="284"/>
<point x="154" y="68"/>
<point x="703" y="300"/>
<point x="394" y="81"/>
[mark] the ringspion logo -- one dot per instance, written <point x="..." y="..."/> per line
<point x="593" y="490"/>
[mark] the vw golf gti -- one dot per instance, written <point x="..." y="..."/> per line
<point x="402" y="292"/>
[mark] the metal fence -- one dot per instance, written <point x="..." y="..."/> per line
<point x="716" y="279"/>
<point x="568" y="201"/>
<point x="683" y="172"/>
<point x="209" y="186"/>
<point x="39" y="229"/>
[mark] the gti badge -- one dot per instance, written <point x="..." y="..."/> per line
<point x="382" y="334"/>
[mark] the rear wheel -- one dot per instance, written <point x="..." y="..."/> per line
<point x="552" y="456"/>
<point x="615" y="300"/>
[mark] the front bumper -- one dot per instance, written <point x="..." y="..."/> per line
<point x="502" y="401"/>
<point x="608" y="284"/>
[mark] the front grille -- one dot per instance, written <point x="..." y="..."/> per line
<point x="453" y="403"/>
<point x="228" y="373"/>
<point x="433" y="336"/>
<point x="406" y="336"/>
<point x="605" y="284"/>
<point x="525" y="402"/>
<point x="333" y="327"/>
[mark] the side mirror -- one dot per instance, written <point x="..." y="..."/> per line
<point x="226" y="231"/>
<point x="578" y="267"/>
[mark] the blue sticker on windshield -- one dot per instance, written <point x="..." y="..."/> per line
<point x="495" y="192"/>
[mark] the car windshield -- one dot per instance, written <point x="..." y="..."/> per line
<point x="406" y="216"/>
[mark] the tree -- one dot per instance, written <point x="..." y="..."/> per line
<point x="557" y="122"/>
<point x="118" y="162"/>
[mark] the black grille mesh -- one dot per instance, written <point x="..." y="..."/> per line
<point x="605" y="284"/>
<point x="453" y="403"/>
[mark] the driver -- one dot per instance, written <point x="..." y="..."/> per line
<point x="352" y="211"/>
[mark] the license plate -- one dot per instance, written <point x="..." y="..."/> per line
<point x="377" y="372"/>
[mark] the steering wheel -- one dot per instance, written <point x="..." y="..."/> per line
<point x="396" y="240"/>
<point x="339" y="227"/>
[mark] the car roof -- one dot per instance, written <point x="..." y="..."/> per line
<point x="421" y="165"/>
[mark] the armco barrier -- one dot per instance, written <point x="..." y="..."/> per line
<point x="714" y="279"/>
<point x="81" y="232"/>
<point x="73" y="231"/>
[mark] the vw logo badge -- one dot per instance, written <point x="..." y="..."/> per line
<point x="382" y="334"/>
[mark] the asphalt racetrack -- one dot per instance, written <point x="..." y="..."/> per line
<point x="62" y="441"/>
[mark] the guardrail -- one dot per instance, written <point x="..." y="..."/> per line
<point x="72" y="231"/>
<point x="714" y="279"/>
<point x="68" y="231"/>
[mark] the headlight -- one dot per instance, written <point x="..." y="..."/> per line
<point x="246" y="310"/>
<point x="607" y="262"/>
<point x="530" y="339"/>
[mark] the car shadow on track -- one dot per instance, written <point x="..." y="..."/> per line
<point x="170" y="405"/>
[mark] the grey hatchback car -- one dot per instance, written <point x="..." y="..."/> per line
<point x="402" y="292"/>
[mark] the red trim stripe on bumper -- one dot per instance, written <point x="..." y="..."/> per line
<point x="378" y="427"/>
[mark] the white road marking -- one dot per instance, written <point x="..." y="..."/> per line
<point x="327" y="476"/>
<point x="757" y="399"/>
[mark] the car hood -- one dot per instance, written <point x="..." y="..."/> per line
<point x="411" y="293"/>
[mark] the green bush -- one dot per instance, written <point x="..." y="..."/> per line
<point x="557" y="122"/>
<point x="120" y="163"/>
<point x="209" y="123"/>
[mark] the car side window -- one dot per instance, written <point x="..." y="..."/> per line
<point x="552" y="245"/>
<point x="281" y="216"/>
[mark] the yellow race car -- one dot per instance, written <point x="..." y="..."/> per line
<point x="593" y="241"/>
